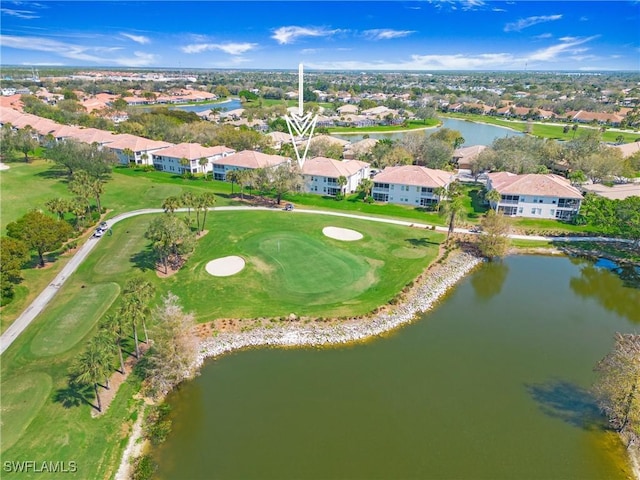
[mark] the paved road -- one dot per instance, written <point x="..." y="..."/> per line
<point x="42" y="300"/>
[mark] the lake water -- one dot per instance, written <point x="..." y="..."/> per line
<point x="489" y="385"/>
<point x="473" y="133"/>
<point x="232" y="104"/>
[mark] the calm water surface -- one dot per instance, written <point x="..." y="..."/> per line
<point x="473" y="133"/>
<point x="489" y="385"/>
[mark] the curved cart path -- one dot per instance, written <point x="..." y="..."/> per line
<point x="42" y="300"/>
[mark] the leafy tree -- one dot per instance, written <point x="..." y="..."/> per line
<point x="447" y="135"/>
<point x="203" y="162"/>
<point x="39" y="232"/>
<point x="495" y="240"/>
<point x="81" y="186"/>
<point x="173" y="354"/>
<point x="185" y="163"/>
<point x="617" y="387"/>
<point x="285" y="179"/>
<point x="170" y="236"/>
<point x="24" y="141"/>
<point x="14" y="254"/>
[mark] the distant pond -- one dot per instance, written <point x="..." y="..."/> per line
<point x="472" y="132"/>
<point x="492" y="384"/>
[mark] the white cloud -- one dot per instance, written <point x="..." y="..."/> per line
<point x="24" y="14"/>
<point x="77" y="52"/>
<point x="569" y="48"/>
<point x="386" y="33"/>
<point x="567" y="45"/>
<point x="530" y="21"/>
<point x="543" y="36"/>
<point x="286" y="35"/>
<point x="136" y="38"/>
<point x="230" y="48"/>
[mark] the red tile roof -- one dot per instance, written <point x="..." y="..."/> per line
<point x="328" y="167"/>
<point x="548" y="185"/>
<point x="414" y="175"/>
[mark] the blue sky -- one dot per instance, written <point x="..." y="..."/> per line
<point x="337" y="35"/>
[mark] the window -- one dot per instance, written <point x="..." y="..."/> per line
<point x="552" y="211"/>
<point x="520" y="210"/>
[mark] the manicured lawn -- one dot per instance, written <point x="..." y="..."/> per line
<point x="291" y="267"/>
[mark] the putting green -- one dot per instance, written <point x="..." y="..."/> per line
<point x="21" y="399"/>
<point x="308" y="269"/>
<point x="74" y="318"/>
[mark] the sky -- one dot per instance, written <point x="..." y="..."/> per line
<point x="426" y="35"/>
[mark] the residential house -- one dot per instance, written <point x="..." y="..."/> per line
<point x="410" y="185"/>
<point x="246" y="160"/>
<point x="465" y="157"/>
<point x="358" y="149"/>
<point x="133" y="149"/>
<point x="189" y="158"/>
<point x="535" y="195"/>
<point x="320" y="175"/>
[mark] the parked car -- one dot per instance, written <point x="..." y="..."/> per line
<point x="288" y="207"/>
<point x="98" y="233"/>
<point x="103" y="226"/>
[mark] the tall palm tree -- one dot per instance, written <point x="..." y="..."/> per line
<point x="452" y="207"/>
<point x="209" y="201"/>
<point x="342" y="182"/>
<point x="128" y="313"/>
<point x="104" y="343"/>
<point x="234" y="177"/>
<point x="128" y="153"/>
<point x="187" y="200"/>
<point x="141" y="292"/>
<point x="91" y="367"/>
<point x="112" y="325"/>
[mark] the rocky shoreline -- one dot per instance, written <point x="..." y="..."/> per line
<point x="437" y="281"/>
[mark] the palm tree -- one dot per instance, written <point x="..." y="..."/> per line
<point x="144" y="157"/>
<point x="203" y="161"/>
<point x="493" y="197"/>
<point x="128" y="153"/>
<point x="186" y="164"/>
<point x="452" y="207"/>
<point x="342" y="181"/>
<point x="171" y="204"/>
<point x="575" y="129"/>
<point x="127" y="313"/>
<point x="113" y="328"/>
<point x="104" y="343"/>
<point x="141" y="292"/>
<point x="365" y="186"/>
<point x="208" y="200"/>
<point x="91" y="367"/>
<point x="59" y="206"/>
<point x="234" y="177"/>
<point x="187" y="200"/>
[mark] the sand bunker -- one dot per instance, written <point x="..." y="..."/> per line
<point x="225" y="266"/>
<point x="342" y="234"/>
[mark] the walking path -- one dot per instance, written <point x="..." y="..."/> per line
<point x="42" y="300"/>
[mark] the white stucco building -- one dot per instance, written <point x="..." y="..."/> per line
<point x="246" y="160"/>
<point x="410" y="185"/>
<point x="320" y="175"/>
<point x="535" y="195"/>
<point x="199" y="159"/>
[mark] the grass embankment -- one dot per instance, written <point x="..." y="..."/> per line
<point x="291" y="268"/>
